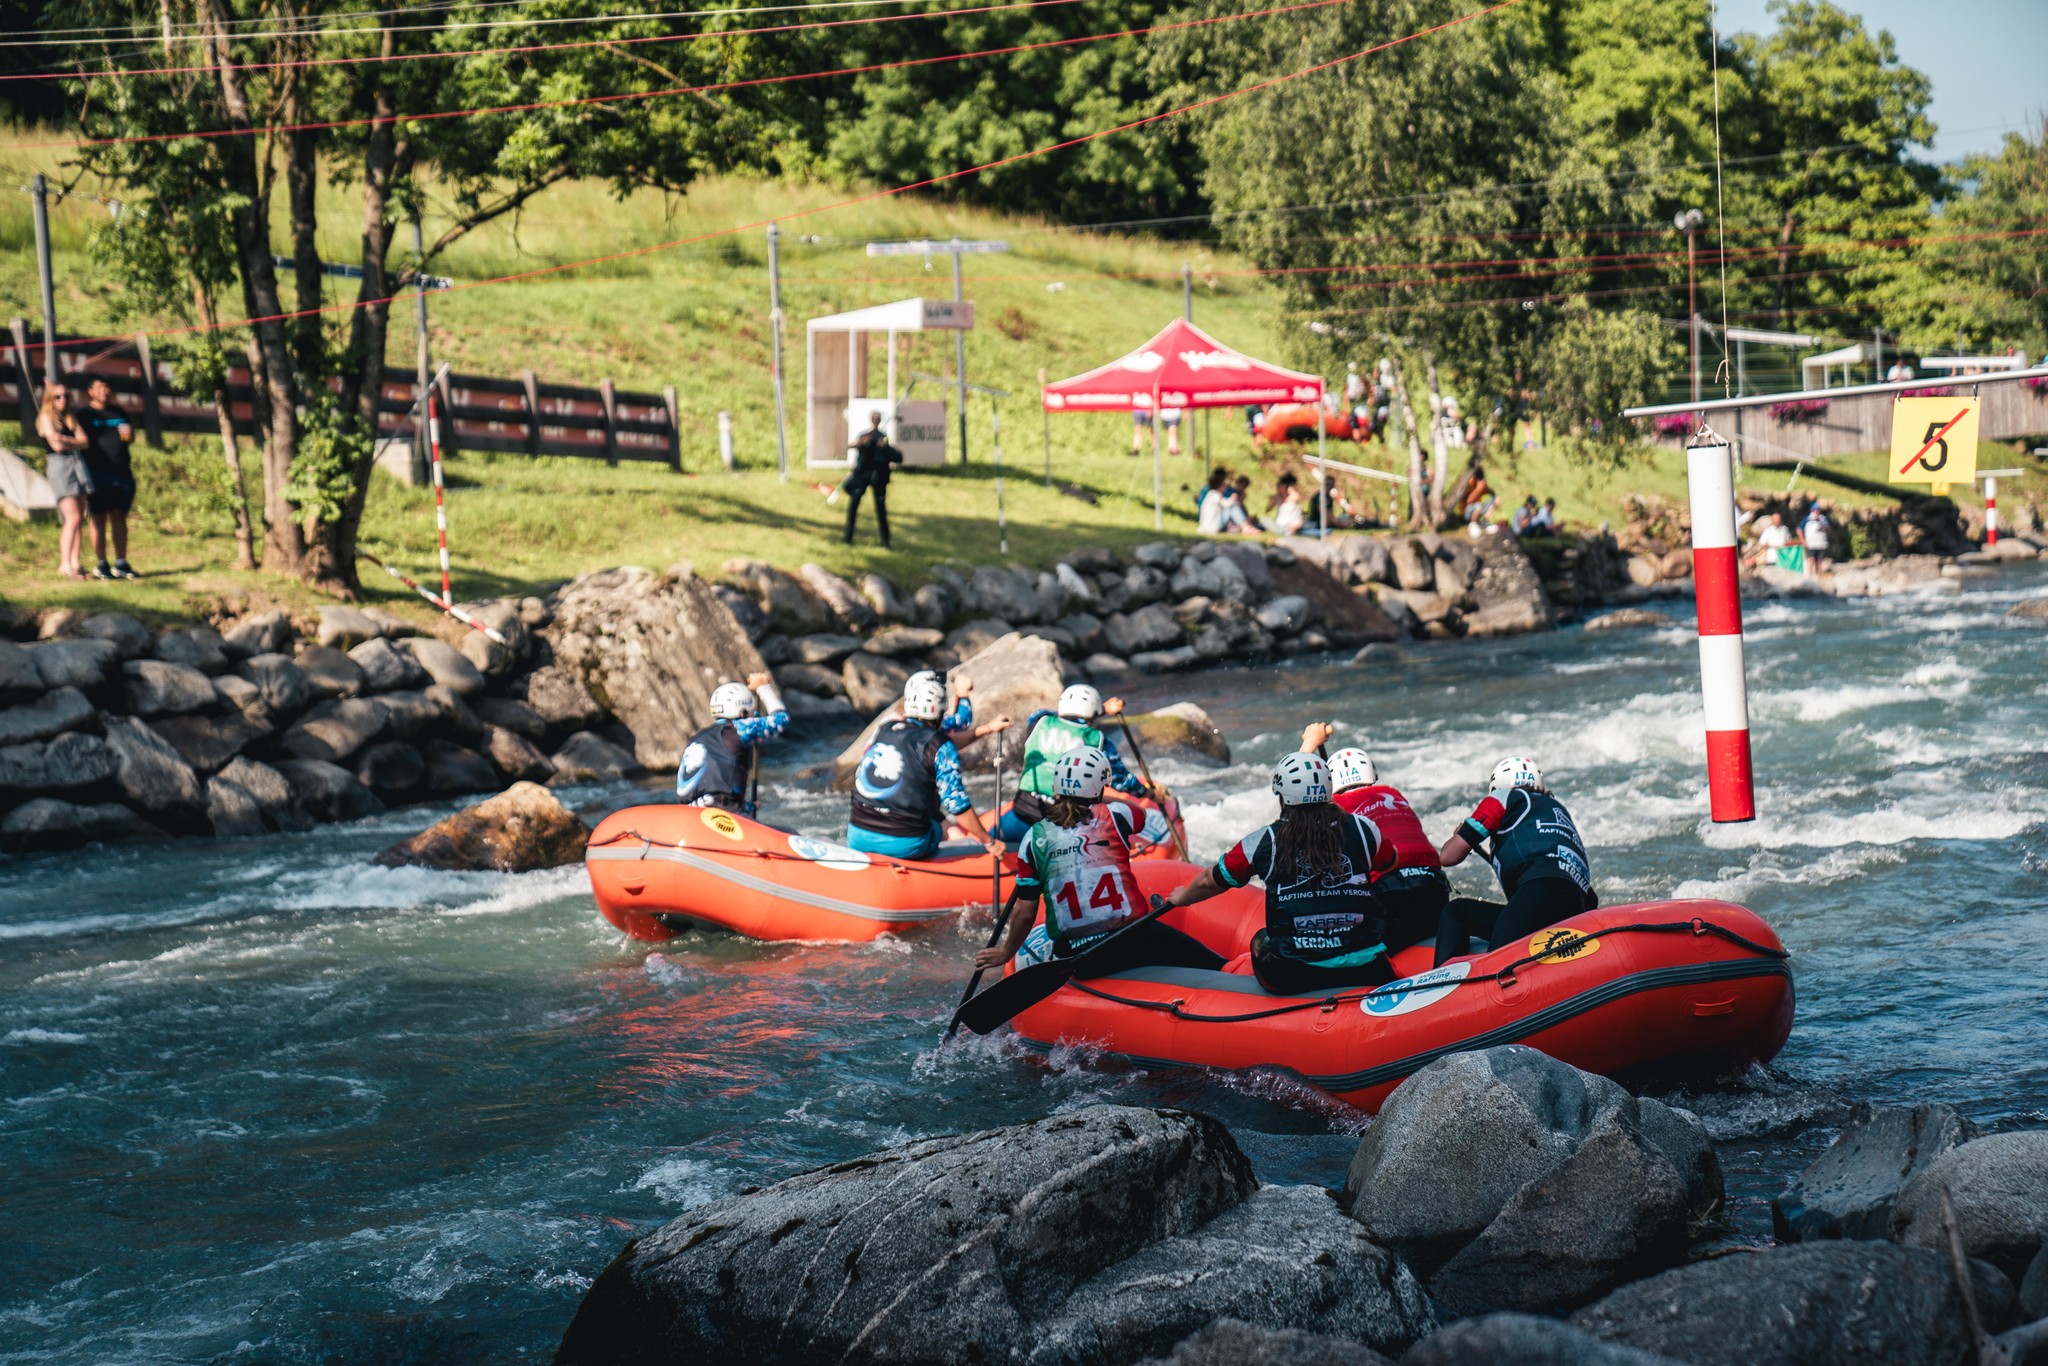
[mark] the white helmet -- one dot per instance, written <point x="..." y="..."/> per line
<point x="1080" y="703"/>
<point x="1351" y="768"/>
<point x="731" y="701"/>
<point x="1301" y="780"/>
<point x="1516" y="772"/>
<point x="924" y="696"/>
<point x="1081" y="773"/>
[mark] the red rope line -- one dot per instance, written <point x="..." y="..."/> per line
<point x="869" y="197"/>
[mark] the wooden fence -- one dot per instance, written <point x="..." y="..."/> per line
<point x="2012" y="411"/>
<point x="523" y="416"/>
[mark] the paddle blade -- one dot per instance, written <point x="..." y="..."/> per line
<point x="1025" y="988"/>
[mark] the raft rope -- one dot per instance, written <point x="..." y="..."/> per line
<point x="892" y="864"/>
<point x="1505" y="977"/>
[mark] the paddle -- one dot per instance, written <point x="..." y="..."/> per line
<point x="1131" y="738"/>
<point x="995" y="815"/>
<point x="995" y="936"/>
<point x="1026" y="987"/>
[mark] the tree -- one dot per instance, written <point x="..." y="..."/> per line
<point x="406" y="126"/>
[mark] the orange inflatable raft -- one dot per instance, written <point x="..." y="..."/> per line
<point x="660" y="870"/>
<point x="1657" y="986"/>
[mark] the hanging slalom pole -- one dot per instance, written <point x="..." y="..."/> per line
<point x="1731" y="793"/>
<point x="450" y="608"/>
<point x="440" y="502"/>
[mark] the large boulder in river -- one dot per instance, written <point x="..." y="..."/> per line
<point x="51" y="714"/>
<point x="325" y="791"/>
<point x="48" y="823"/>
<point x="1182" y="731"/>
<point x="522" y="828"/>
<point x="73" y="663"/>
<point x="1999" y="1187"/>
<point x="1847" y="1192"/>
<point x="1344" y="616"/>
<point x="848" y="608"/>
<point x="650" y="649"/>
<point x="208" y="742"/>
<point x="790" y="607"/>
<point x="1522" y="1340"/>
<point x="199" y="646"/>
<point x="1100" y="1236"/>
<point x="1015" y="676"/>
<point x="1506" y="597"/>
<point x="154" y="778"/>
<point x="19" y="679"/>
<point x="1562" y="1191"/>
<point x="1836" y="1303"/>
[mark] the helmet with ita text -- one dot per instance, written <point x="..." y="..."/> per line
<point x="1081" y="773"/>
<point x="924" y="697"/>
<point x="1301" y="780"/>
<point x="1516" y="772"/>
<point x="732" y="701"/>
<point x="1080" y="703"/>
<point x="1351" y="768"/>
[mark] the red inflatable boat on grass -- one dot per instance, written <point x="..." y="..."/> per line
<point x="658" y="871"/>
<point x="1667" y="985"/>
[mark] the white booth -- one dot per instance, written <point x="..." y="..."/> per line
<point x="839" y="386"/>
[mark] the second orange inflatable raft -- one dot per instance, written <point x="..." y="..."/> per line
<point x="658" y="871"/>
<point x="1675" y="985"/>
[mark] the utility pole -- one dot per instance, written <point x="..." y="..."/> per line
<point x="775" y="363"/>
<point x="419" y="431"/>
<point x="1688" y="223"/>
<point x="40" y="190"/>
<point x="959" y="351"/>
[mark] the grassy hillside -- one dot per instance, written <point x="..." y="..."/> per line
<point x="695" y="317"/>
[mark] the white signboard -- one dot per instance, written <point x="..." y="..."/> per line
<point x="918" y="428"/>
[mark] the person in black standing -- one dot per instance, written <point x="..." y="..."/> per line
<point x="872" y="456"/>
<point x="108" y="433"/>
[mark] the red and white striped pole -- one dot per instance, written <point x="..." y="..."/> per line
<point x="1990" y="511"/>
<point x="440" y="504"/>
<point x="1731" y="794"/>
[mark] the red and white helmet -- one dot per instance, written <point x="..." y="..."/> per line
<point x="1301" y="780"/>
<point x="1351" y="767"/>
<point x="732" y="701"/>
<point x="1081" y="772"/>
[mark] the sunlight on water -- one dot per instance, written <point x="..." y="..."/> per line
<point x="262" y="1098"/>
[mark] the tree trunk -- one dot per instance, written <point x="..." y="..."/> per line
<point x="1417" y="500"/>
<point x="1440" y="460"/>
<point x="1784" y="264"/>
<point x="283" y="547"/>
<point x="302" y="180"/>
<point x="231" y="446"/>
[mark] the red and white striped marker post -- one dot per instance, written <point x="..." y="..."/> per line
<point x="1731" y="794"/>
<point x="440" y="505"/>
<point x="1990" y="511"/>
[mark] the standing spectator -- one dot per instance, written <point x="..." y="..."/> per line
<point x="69" y="480"/>
<point x="108" y="433"/>
<point x="873" y="455"/>
<point x="1169" y="418"/>
<point x="1544" y="523"/>
<point x="1816" y="533"/>
<point x="1900" y="371"/>
<point x="1354" y="386"/>
<point x="1774" y="545"/>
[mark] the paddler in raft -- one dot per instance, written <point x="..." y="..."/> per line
<point x="1078" y="860"/>
<point x="908" y="782"/>
<point x="1325" y="929"/>
<point x="719" y="759"/>
<point x="1052" y="734"/>
<point x="1414" y="894"/>
<point x="1536" y="852"/>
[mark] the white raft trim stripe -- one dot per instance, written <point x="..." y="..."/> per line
<point x="630" y="853"/>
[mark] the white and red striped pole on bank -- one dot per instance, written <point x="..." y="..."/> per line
<point x="1990" y="511"/>
<point x="1731" y="793"/>
<point x="440" y="503"/>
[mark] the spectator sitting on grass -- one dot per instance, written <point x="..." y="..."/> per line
<point x="1210" y="507"/>
<point x="1525" y="516"/>
<point x="1286" y="508"/>
<point x="1544" y="523"/>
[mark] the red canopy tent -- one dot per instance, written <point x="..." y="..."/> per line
<point x="1181" y="367"/>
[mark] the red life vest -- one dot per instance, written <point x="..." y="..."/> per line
<point x="1399" y="825"/>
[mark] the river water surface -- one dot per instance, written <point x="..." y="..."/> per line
<point x="261" y="1101"/>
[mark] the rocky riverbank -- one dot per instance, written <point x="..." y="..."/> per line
<point x="1504" y="1208"/>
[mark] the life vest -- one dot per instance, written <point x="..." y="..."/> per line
<point x="1537" y="839"/>
<point x="896" y="787"/>
<point x="1049" y="739"/>
<point x="1399" y="826"/>
<point x="1085" y="873"/>
<point x="715" y="765"/>
<point x="1316" y="917"/>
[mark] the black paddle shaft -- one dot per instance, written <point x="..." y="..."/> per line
<point x="1158" y="795"/>
<point x="1025" y="988"/>
<point x="995" y="937"/>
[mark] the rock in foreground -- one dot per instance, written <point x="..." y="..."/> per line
<point x="1101" y="1236"/>
<point x="517" y="831"/>
<point x="1848" y="1191"/>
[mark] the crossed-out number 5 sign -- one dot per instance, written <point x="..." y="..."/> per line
<point x="1934" y="440"/>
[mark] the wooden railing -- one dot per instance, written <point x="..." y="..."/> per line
<point x="523" y="416"/>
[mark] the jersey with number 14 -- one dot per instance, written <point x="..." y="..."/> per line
<point x="1084" y="873"/>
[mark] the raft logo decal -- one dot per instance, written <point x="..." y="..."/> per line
<point x="721" y="822"/>
<point x="828" y="855"/>
<point x="1415" y="993"/>
<point x="1562" y="946"/>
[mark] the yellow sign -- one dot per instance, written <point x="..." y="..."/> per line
<point x="1561" y="946"/>
<point x="722" y="822"/>
<point x="1934" y="441"/>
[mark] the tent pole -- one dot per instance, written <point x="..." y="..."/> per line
<point x="1045" y="420"/>
<point x="1158" y="506"/>
<point x="1328" y="483"/>
<point x="995" y="433"/>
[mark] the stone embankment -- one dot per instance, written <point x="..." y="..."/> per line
<point x="1505" y="1208"/>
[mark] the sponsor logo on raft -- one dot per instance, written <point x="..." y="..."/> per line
<point x="721" y="822"/>
<point x="827" y="855"/>
<point x="1415" y="993"/>
<point x="1559" y="946"/>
